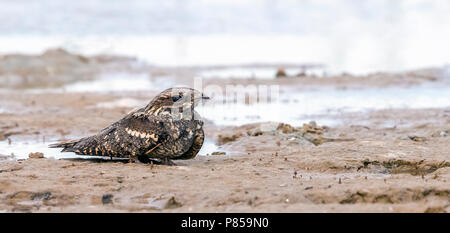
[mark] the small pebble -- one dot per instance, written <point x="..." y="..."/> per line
<point x="36" y="155"/>
<point x="107" y="199"/>
<point x="417" y="138"/>
<point x="218" y="153"/>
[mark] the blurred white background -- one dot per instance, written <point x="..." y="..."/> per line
<point x="347" y="35"/>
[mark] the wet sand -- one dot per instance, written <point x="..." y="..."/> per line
<point x="387" y="160"/>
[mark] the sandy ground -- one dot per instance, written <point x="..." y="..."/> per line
<point x="353" y="167"/>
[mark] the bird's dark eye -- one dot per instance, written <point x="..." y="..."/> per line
<point x="175" y="98"/>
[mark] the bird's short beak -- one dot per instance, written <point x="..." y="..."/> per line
<point x="205" y="97"/>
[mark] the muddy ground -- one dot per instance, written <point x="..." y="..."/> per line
<point x="362" y="165"/>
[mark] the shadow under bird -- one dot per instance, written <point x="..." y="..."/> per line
<point x="168" y="128"/>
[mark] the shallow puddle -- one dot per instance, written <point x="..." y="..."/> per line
<point x="326" y="106"/>
<point x="21" y="150"/>
<point x="209" y="147"/>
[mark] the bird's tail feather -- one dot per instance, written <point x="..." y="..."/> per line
<point x="67" y="145"/>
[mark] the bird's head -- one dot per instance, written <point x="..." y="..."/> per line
<point x="176" y="100"/>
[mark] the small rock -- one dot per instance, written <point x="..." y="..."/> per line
<point x="107" y="199"/>
<point x="223" y="139"/>
<point x="309" y="187"/>
<point x="36" y="155"/>
<point x="163" y="203"/>
<point x="41" y="196"/>
<point x="441" y="133"/>
<point x="417" y="138"/>
<point x="281" y="73"/>
<point x="255" y="132"/>
<point x="218" y="153"/>
<point x="311" y="128"/>
<point x="285" y="128"/>
<point x="267" y="128"/>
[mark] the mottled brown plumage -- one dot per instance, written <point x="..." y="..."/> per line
<point x="167" y="128"/>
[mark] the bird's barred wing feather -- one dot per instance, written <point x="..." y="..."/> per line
<point x="136" y="134"/>
<point x="130" y="136"/>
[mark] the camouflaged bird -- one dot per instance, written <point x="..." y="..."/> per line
<point x="167" y="128"/>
